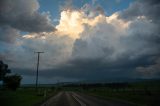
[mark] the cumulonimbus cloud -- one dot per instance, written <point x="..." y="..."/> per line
<point x="125" y="44"/>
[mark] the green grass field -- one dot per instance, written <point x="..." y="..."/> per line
<point x="24" y="96"/>
<point x="145" y="93"/>
<point x="138" y="97"/>
<point x="142" y="94"/>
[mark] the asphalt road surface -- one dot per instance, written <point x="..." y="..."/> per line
<point x="78" y="99"/>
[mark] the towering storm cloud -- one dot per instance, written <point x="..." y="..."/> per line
<point x="144" y="34"/>
<point x="86" y="44"/>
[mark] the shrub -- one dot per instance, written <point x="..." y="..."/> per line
<point x="12" y="81"/>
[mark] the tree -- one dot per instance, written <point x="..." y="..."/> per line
<point x="3" y="70"/>
<point x="12" y="81"/>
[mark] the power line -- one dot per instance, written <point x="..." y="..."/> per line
<point x="38" y="53"/>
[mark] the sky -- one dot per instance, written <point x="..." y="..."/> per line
<point x="82" y="40"/>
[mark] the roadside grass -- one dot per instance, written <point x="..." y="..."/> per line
<point x="145" y="93"/>
<point x="138" y="97"/>
<point x="141" y="94"/>
<point x="24" y="96"/>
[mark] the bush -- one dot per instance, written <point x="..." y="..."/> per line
<point x="12" y="81"/>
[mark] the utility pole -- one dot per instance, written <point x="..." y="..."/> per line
<point x="37" y="68"/>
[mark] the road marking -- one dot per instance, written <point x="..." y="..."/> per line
<point x="49" y="101"/>
<point x="80" y="102"/>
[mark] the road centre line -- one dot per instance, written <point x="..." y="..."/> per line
<point x="79" y="101"/>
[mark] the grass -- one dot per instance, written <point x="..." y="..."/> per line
<point x="145" y="93"/>
<point x="137" y="97"/>
<point x="142" y="94"/>
<point x="23" y="97"/>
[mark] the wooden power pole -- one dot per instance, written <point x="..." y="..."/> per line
<point x="38" y="53"/>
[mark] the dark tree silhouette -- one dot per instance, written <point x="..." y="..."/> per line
<point x="3" y="70"/>
<point x="12" y="81"/>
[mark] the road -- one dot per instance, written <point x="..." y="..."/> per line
<point x="79" y="99"/>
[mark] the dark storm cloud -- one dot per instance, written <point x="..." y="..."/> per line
<point x="101" y="52"/>
<point x="93" y="69"/>
<point x="92" y="58"/>
<point x="88" y="66"/>
<point x="144" y="33"/>
<point x="24" y="16"/>
<point x="6" y="34"/>
<point x="148" y="8"/>
<point x="97" y="57"/>
<point x="101" y="69"/>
